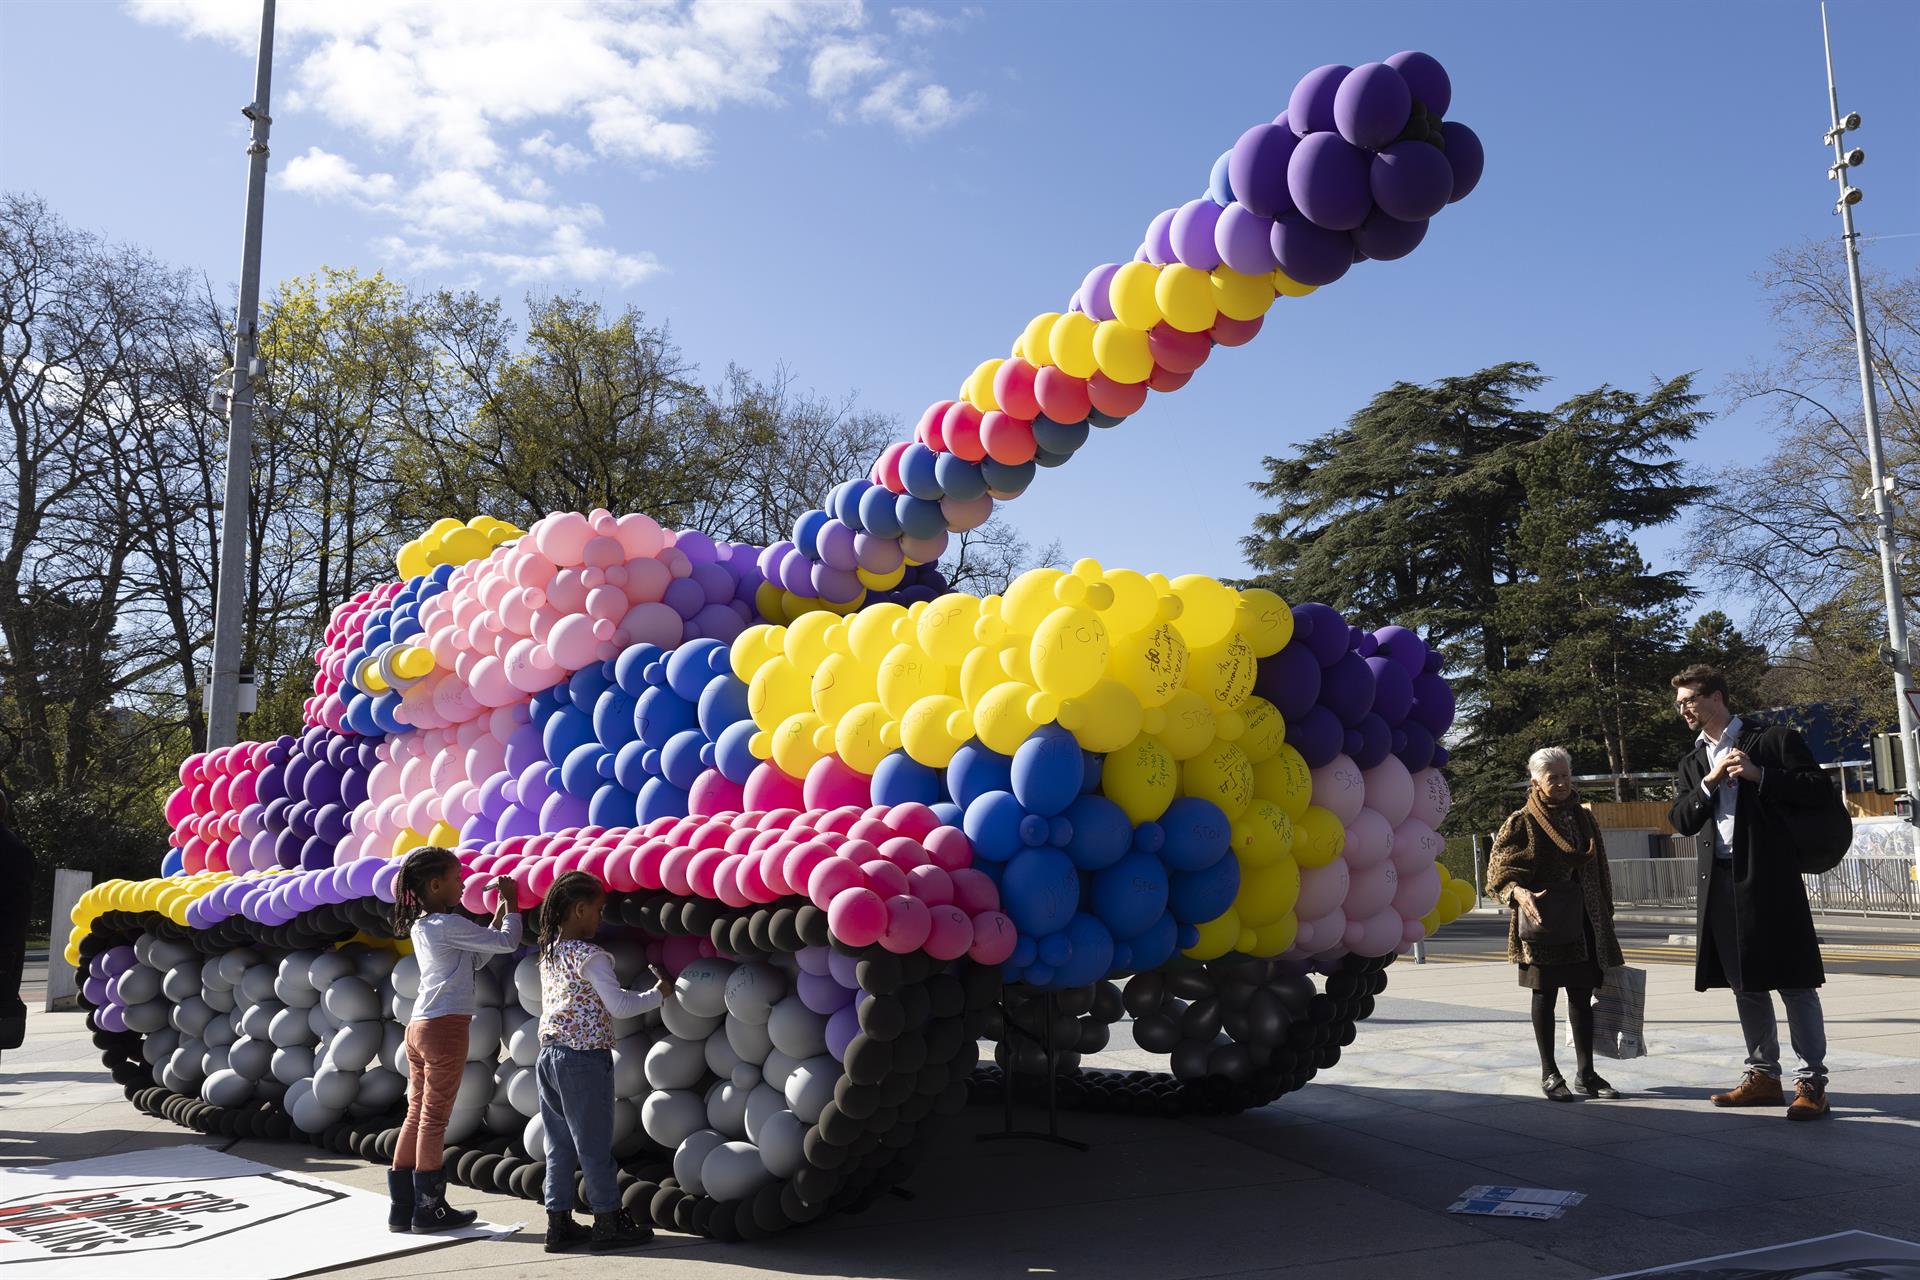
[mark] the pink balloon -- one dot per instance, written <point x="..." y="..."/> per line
<point x="908" y="924"/>
<point x="1322" y="889"/>
<point x="974" y="891"/>
<point x="857" y="917"/>
<point x="562" y="537"/>
<point x="1339" y="786"/>
<point x="1379" y="934"/>
<point x="871" y="829"/>
<point x="993" y="938"/>
<point x="883" y="877"/>
<point x="1418" y="893"/>
<point x="652" y="623"/>
<point x="726" y="880"/>
<point x="1412" y="931"/>
<point x="1432" y="798"/>
<point x="832" y="877"/>
<point x="930" y="884"/>
<point x="1369" y="891"/>
<point x="914" y="820"/>
<point x="673" y="870"/>
<point x="799" y="862"/>
<point x="713" y="793"/>
<point x="948" y="848"/>
<point x="832" y="783"/>
<point x="1369" y="840"/>
<point x="1390" y="790"/>
<point x="949" y="932"/>
<point x="768" y="788"/>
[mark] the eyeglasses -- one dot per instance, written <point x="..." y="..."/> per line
<point x="1689" y="700"/>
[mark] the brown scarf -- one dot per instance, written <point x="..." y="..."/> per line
<point x="1551" y="818"/>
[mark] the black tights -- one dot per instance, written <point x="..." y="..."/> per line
<point x="1579" y="1013"/>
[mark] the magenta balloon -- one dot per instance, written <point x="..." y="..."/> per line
<point x="1192" y="234"/>
<point x="1310" y="109"/>
<point x="1093" y="291"/>
<point x="1371" y="106"/>
<point x="1410" y="181"/>
<point x="1328" y="178"/>
<point x="1245" y="240"/>
<point x="1310" y="254"/>
<point x="1466" y="156"/>
<point x="1159" y="243"/>
<point x="1387" y="238"/>
<point x="1426" y="78"/>
<point x="1257" y="169"/>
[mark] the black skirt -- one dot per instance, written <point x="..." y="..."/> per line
<point x="1575" y="973"/>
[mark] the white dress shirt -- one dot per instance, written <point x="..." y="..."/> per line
<point x="1726" y="796"/>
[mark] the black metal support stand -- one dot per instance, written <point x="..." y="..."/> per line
<point x="1052" y="1134"/>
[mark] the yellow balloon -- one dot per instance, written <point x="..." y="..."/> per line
<point x="371" y="680"/>
<point x="1207" y="610"/>
<point x="769" y="602"/>
<point x="1220" y="774"/>
<point x="1286" y="286"/>
<point x="796" y="606"/>
<point x="1029" y="599"/>
<point x="945" y="628"/>
<point x="412" y="560"/>
<point x="1185" y="297"/>
<point x="1133" y="297"/>
<point x="1105" y="718"/>
<point x="777" y="690"/>
<point x="1152" y="663"/>
<point x="908" y="674"/>
<point x="842" y="683"/>
<point x="1141" y="778"/>
<point x="933" y="729"/>
<point x="444" y="834"/>
<point x="860" y="736"/>
<point x="808" y="640"/>
<point x="408" y="839"/>
<point x="1267" y="892"/>
<point x="882" y="581"/>
<point x="1035" y="337"/>
<point x="1217" y="937"/>
<point x="1285" y="779"/>
<point x="980" y="672"/>
<point x="1265" y="620"/>
<point x="464" y="545"/>
<point x="1003" y="717"/>
<point x="794" y="746"/>
<point x="1277" y="938"/>
<point x="1187" y="728"/>
<point x="1223" y="674"/>
<point x="981" y="396"/>
<point x="413" y="664"/>
<point x="1263" y="732"/>
<point x="1318" y="837"/>
<point x="1069" y="651"/>
<point x="1241" y="297"/>
<point x="755" y="647"/>
<point x="1122" y="352"/>
<point x="1070" y="343"/>
<point x="873" y="631"/>
<point x="1263" y="834"/>
<point x="441" y="528"/>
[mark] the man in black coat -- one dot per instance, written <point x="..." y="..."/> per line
<point x="16" y="873"/>
<point x="1755" y="931"/>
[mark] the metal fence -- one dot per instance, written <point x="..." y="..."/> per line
<point x="1867" y="884"/>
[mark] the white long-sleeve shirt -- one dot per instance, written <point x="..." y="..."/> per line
<point x="451" y="949"/>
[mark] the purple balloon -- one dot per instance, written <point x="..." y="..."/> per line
<point x="362" y="875"/>
<point x="1257" y="169"/>
<point x="720" y="622"/>
<point x="1466" y="156"/>
<point x="1417" y="753"/>
<point x="1328" y="178"/>
<point x="1432" y="702"/>
<point x="112" y="1018"/>
<point x="717" y="582"/>
<point x="1245" y="240"/>
<point x="796" y="573"/>
<point x="821" y="994"/>
<point x="772" y="558"/>
<point x="1310" y="254"/>
<point x="1426" y="78"/>
<point x="1348" y="689"/>
<point x="1322" y="630"/>
<point x="838" y="586"/>
<point x="842" y="1027"/>
<point x="1387" y="238"/>
<point x="1318" y="736"/>
<point x="1310" y="109"/>
<point x="1371" y="106"/>
<point x="1192" y="234"/>
<point x="1159" y="243"/>
<point x="1093" y="291"/>
<point x="1290" y="680"/>
<point x="878" y="555"/>
<point x="117" y="960"/>
<point x="698" y="546"/>
<point x="684" y="597"/>
<point x="1404" y="647"/>
<point x="1410" y="181"/>
<point x="1392" y="690"/>
<point x="1376" y="741"/>
<point x="95" y="988"/>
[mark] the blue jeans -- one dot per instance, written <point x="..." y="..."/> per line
<point x="1805" y="1025"/>
<point x="576" y="1108"/>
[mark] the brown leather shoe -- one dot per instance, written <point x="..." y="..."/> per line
<point x="1809" y="1101"/>
<point x="1757" y="1089"/>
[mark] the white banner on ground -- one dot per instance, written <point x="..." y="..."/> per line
<point x="188" y="1213"/>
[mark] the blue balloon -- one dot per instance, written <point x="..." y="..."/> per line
<point x="1005" y="477"/>
<point x="878" y="514"/>
<point x="958" y="477"/>
<point x="919" y="517"/>
<point x="660" y="799"/>
<point x="1101" y="834"/>
<point x="690" y="667"/>
<point x="900" y="779"/>
<point x="1219" y="189"/>
<point x="806" y="530"/>
<point x="1058" y="437"/>
<point x="1090" y="780"/>
<point x="732" y="753"/>
<point x="1047" y="770"/>
<point x="1131" y="895"/>
<point x="660" y="714"/>
<point x="580" y="772"/>
<point x="173" y="864"/>
<point x="630" y="668"/>
<point x="585" y="685"/>
<point x="1156" y="946"/>
<point x="1041" y="890"/>
<point x="723" y="702"/>
<point x="1198" y="835"/>
<point x="1198" y="896"/>
<point x="680" y="762"/>
<point x="613" y="717"/>
<point x="385" y="707"/>
<point x="565" y="729"/>
<point x="974" y="771"/>
<point x="1056" y="949"/>
<point x="612" y="806"/>
<point x="992" y="823"/>
<point x="950" y="816"/>
<point x="919" y="473"/>
<point x="1092" y="955"/>
<point x="629" y="768"/>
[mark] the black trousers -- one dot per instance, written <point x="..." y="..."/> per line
<point x="1723" y="928"/>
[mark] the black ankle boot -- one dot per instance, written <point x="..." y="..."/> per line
<point x="617" y="1231"/>
<point x="400" y="1189"/>
<point x="1554" y="1085"/>
<point x="431" y="1212"/>
<point x="563" y="1232"/>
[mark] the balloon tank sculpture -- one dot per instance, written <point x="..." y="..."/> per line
<point x="866" y="822"/>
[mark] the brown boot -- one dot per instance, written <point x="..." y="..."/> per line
<point x="1757" y="1089"/>
<point x="1809" y="1101"/>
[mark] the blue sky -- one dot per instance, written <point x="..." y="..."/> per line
<point x="880" y="197"/>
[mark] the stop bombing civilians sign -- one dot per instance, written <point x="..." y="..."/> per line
<point x="188" y="1212"/>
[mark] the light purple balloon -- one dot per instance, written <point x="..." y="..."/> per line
<point x="383" y="882"/>
<point x="813" y="960"/>
<point x="1257" y="169"/>
<point x="1245" y="240"/>
<point x="845" y="969"/>
<point x="1159" y="243"/>
<point x="1310" y="108"/>
<point x="112" y="1018"/>
<point x="698" y="546"/>
<point x="1426" y="78"/>
<point x="1328" y="178"/>
<point x="117" y="960"/>
<point x="362" y="875"/>
<point x="835" y="545"/>
<point x="1387" y="238"/>
<point x="838" y="586"/>
<point x="95" y="988"/>
<point x="1371" y="106"/>
<point x="842" y="1027"/>
<point x="876" y="554"/>
<point x="796" y="572"/>
<point x="1093" y="291"/>
<point x="1192" y="234"/>
<point x="820" y="993"/>
<point x="1310" y="254"/>
<point x="1410" y="181"/>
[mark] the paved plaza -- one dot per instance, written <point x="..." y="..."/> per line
<point x="1350" y="1177"/>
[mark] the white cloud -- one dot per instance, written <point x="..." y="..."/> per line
<point x="463" y="100"/>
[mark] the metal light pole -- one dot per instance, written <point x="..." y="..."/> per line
<point x="1844" y="162"/>
<point x="223" y="692"/>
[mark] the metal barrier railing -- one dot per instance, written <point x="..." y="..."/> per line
<point x="1866" y="884"/>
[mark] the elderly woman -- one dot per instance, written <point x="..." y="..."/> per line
<point x="1548" y="865"/>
